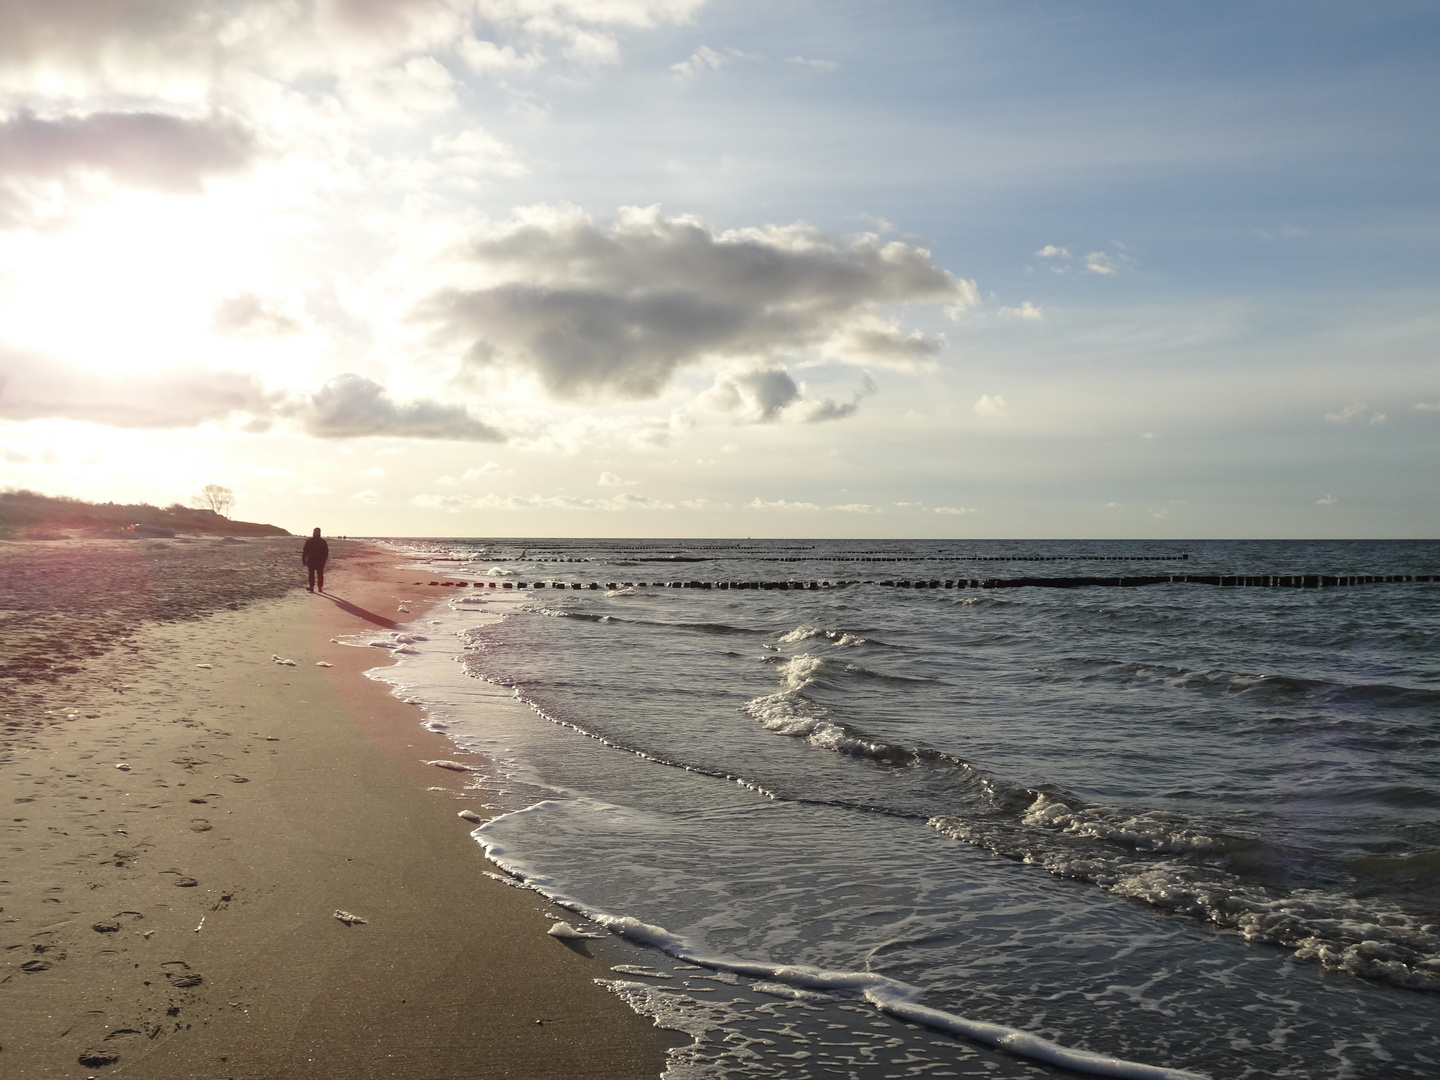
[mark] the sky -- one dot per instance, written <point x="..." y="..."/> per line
<point x="688" y="268"/>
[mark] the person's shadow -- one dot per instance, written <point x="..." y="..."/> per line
<point x="360" y="612"/>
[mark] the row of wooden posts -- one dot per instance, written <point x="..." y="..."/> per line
<point x="1270" y="581"/>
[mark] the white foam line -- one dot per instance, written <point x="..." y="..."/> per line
<point x="890" y="996"/>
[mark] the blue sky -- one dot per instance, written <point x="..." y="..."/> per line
<point x="687" y="268"/>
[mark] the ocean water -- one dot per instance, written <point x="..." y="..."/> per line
<point x="869" y="830"/>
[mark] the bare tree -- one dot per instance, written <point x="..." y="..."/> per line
<point x="217" y="498"/>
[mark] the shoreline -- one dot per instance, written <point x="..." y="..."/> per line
<point x="177" y="917"/>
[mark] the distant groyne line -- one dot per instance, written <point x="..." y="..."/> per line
<point x="863" y="557"/>
<point x="1260" y="581"/>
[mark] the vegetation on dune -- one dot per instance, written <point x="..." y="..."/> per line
<point x="28" y="515"/>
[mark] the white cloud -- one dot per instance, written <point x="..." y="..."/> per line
<point x="454" y="504"/>
<point x="418" y="88"/>
<point x="813" y="65"/>
<point x="488" y="469"/>
<point x="856" y="508"/>
<point x="1026" y="310"/>
<point x="1050" y="251"/>
<point x="477" y="151"/>
<point x="185" y="47"/>
<point x="1356" y="410"/>
<point x="373" y="471"/>
<point x="1097" y="262"/>
<point x="487" y="58"/>
<point x="593" y="312"/>
<point x="702" y="59"/>
<point x="609" y="479"/>
<point x="1328" y="500"/>
<point x="368" y="497"/>
<point x="990" y="405"/>
<point x="1427" y="406"/>
<point x="780" y="504"/>
<point x="1148" y="435"/>
<point x="954" y="510"/>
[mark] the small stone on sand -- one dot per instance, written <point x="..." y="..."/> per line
<point x="470" y="815"/>
<point x="348" y="919"/>
<point x="123" y="766"/>
<point x="323" y="663"/>
<point x="453" y="766"/>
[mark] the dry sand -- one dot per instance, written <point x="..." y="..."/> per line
<point x="176" y="918"/>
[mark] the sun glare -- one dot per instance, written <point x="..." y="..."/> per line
<point x="131" y="289"/>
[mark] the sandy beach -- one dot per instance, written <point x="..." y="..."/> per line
<point x="188" y="816"/>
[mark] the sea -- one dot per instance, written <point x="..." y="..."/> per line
<point x="882" y="809"/>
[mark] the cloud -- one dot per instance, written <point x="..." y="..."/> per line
<point x="989" y="405"/>
<point x="184" y="48"/>
<point x="1427" y="406"/>
<point x="249" y="315"/>
<point x="420" y="87"/>
<point x="488" y="469"/>
<point x="143" y="149"/>
<point x="596" y="312"/>
<point x="1026" y="310"/>
<point x="147" y="150"/>
<point x="857" y="508"/>
<point x="1356" y="410"/>
<point x="759" y="395"/>
<point x="955" y="510"/>
<point x="454" y="504"/>
<point x="1097" y="262"/>
<point x="764" y="395"/>
<point x="487" y="58"/>
<point x="780" y="504"/>
<point x="1328" y="500"/>
<point x="35" y="386"/>
<point x="1050" y="251"/>
<point x="477" y="151"/>
<point x="351" y="406"/>
<point x="368" y="497"/>
<point x="813" y="65"/>
<point x="609" y="479"/>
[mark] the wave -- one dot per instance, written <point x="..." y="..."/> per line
<point x="890" y="996"/>
<point x="806" y="633"/>
<point x="1162" y="859"/>
<point x="1278" y="687"/>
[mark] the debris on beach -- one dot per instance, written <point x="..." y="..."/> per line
<point x="471" y="815"/>
<point x="323" y="663"/>
<point x="453" y="766"/>
<point x="205" y="667"/>
<point x="279" y="660"/>
<point x="349" y="919"/>
<point x="123" y="766"/>
<point x="565" y="930"/>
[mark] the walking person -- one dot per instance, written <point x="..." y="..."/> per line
<point x="314" y="555"/>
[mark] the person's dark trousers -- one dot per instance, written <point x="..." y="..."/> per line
<point x="317" y="577"/>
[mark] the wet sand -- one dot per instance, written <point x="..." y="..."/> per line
<point x="177" y="917"/>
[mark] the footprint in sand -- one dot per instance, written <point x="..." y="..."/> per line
<point x="199" y="824"/>
<point x="179" y="974"/>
